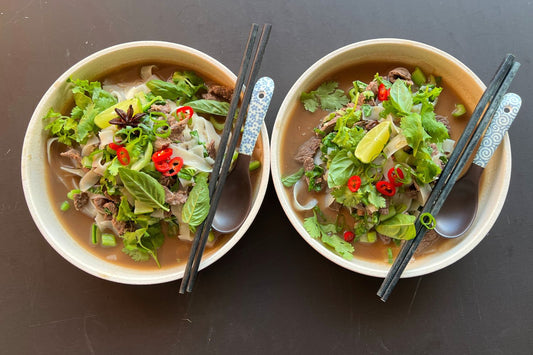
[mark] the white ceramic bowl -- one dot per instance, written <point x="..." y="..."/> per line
<point x="34" y="156"/>
<point x="469" y="89"/>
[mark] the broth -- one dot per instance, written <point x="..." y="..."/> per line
<point x="173" y="251"/>
<point x="302" y="122"/>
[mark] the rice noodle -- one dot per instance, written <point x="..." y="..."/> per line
<point x="396" y="143"/>
<point x="88" y="148"/>
<point x="104" y="224"/>
<point x="49" y="143"/>
<point x="300" y="189"/>
<point x="98" y="167"/>
<point x="147" y="72"/>
<point x="106" y="135"/>
<point x="184" y="231"/>
<point x="73" y="171"/>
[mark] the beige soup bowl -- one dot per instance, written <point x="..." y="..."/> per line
<point x="34" y="156"/>
<point x="468" y="88"/>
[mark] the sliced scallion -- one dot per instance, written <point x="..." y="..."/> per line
<point x="459" y="110"/>
<point x="418" y="77"/>
<point x="71" y="193"/>
<point x="390" y="256"/>
<point x="65" y="206"/>
<point x="108" y="240"/>
<point x="94" y="234"/>
<point x="254" y="165"/>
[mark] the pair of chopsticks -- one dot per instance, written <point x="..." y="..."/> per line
<point x="481" y="117"/>
<point x="251" y="61"/>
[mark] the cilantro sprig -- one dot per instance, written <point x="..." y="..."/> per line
<point x="327" y="96"/>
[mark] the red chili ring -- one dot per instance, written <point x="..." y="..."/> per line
<point x="349" y="236"/>
<point x="386" y="188"/>
<point x="162" y="166"/>
<point x="354" y="183"/>
<point x="175" y="166"/>
<point x="161" y="155"/>
<point x="186" y="110"/>
<point x="123" y="156"/>
<point x="394" y="174"/>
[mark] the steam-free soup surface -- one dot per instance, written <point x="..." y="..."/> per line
<point x="300" y="129"/>
<point x="173" y="251"/>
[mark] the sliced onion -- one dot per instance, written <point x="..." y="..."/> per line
<point x="73" y="171"/>
<point x="89" y="180"/>
<point x="184" y="230"/>
<point x="298" y="190"/>
<point x="318" y="158"/>
<point x="49" y="143"/>
<point x="374" y="115"/>
<point x="89" y="210"/>
<point x="106" y="135"/>
<point x="425" y="191"/>
<point x="88" y="148"/>
<point x="104" y="224"/>
<point x="396" y="143"/>
<point x="447" y="146"/>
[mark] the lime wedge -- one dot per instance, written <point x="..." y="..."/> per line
<point x="103" y="118"/>
<point x="373" y="142"/>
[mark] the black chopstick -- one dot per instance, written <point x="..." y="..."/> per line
<point x="480" y="119"/>
<point x="248" y="75"/>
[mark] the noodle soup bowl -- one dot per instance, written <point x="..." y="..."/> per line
<point x="369" y="57"/>
<point x="35" y="166"/>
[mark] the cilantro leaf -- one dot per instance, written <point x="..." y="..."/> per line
<point x="413" y="131"/>
<point x="327" y="233"/>
<point x="327" y="96"/>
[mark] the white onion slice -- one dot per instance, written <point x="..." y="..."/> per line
<point x="88" y="180"/>
<point x="49" y="149"/>
<point x="299" y="189"/>
<point x="104" y="224"/>
<point x="396" y="143"/>
<point x="425" y="191"/>
<point x="106" y="135"/>
<point x="447" y="146"/>
<point x="374" y="115"/>
<point x="73" y="171"/>
<point x="184" y="231"/>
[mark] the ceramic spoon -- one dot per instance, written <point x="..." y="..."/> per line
<point x="236" y="198"/>
<point x="458" y="211"/>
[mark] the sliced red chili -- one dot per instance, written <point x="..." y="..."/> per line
<point x="114" y="146"/>
<point x="161" y="155"/>
<point x="386" y="188"/>
<point x="395" y="176"/>
<point x="123" y="156"/>
<point x="162" y="166"/>
<point x="383" y="93"/>
<point x="354" y="183"/>
<point x="184" y="112"/>
<point x="349" y="236"/>
<point x="175" y="166"/>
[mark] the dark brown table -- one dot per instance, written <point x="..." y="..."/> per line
<point x="272" y="293"/>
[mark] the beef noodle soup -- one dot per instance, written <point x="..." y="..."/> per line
<point x="361" y="153"/>
<point x="130" y="159"/>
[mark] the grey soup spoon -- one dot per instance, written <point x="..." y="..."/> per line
<point x="236" y="198"/>
<point x="460" y="208"/>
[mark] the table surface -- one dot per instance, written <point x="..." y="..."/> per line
<point x="272" y="293"/>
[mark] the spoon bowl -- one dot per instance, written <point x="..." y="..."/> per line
<point x="236" y="198"/>
<point x="459" y="210"/>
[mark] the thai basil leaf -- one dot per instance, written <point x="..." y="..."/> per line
<point x="401" y="226"/>
<point x="292" y="179"/>
<point x="197" y="205"/>
<point x="143" y="187"/>
<point x="400" y="97"/>
<point x="213" y="107"/>
<point x="164" y="89"/>
<point x="342" y="167"/>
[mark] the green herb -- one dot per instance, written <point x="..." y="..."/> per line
<point x="292" y="179"/>
<point x="219" y="126"/>
<point x="401" y="226"/>
<point x="313" y="176"/>
<point x="327" y="96"/>
<point x="124" y="211"/>
<point x="165" y="89"/>
<point x="213" y="107"/>
<point x="400" y="97"/>
<point x="143" y="187"/>
<point x="327" y="233"/>
<point x="341" y="168"/>
<point x="197" y="205"/>
<point x="428" y="220"/>
<point x="413" y="131"/>
<point x="95" y="232"/>
<point x="359" y="86"/>
<point x="140" y="246"/>
<point x="71" y="193"/>
<point x="367" y="110"/>
<point x="65" y="206"/>
<point x="187" y="173"/>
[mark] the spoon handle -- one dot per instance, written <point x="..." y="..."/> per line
<point x="502" y="120"/>
<point x="261" y="96"/>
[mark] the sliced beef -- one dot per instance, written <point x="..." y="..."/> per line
<point x="308" y="149"/>
<point x="430" y="237"/>
<point x="105" y="206"/>
<point x="400" y="73"/>
<point x="176" y="130"/>
<point x="122" y="226"/>
<point x="73" y="155"/>
<point x="80" y="200"/>
<point x="160" y="108"/>
<point x="373" y="86"/>
<point x="219" y="93"/>
<point x="167" y="181"/>
<point x="211" y="150"/>
<point x="161" y="143"/>
<point x="444" y="120"/>
<point x="385" y="210"/>
<point x="386" y="240"/>
<point x="175" y="198"/>
<point x="370" y="124"/>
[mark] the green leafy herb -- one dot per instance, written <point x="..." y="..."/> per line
<point x="164" y="89"/>
<point x="327" y="233"/>
<point x="341" y="168"/>
<point x="413" y="131"/>
<point x="143" y="243"/>
<point x="401" y="226"/>
<point x="314" y="176"/>
<point x="390" y="256"/>
<point x="213" y="107"/>
<point x="197" y="205"/>
<point x="143" y="187"/>
<point x="400" y="97"/>
<point x="292" y="179"/>
<point x="327" y="96"/>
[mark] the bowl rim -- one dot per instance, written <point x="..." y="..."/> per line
<point x="363" y="266"/>
<point x="143" y="277"/>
